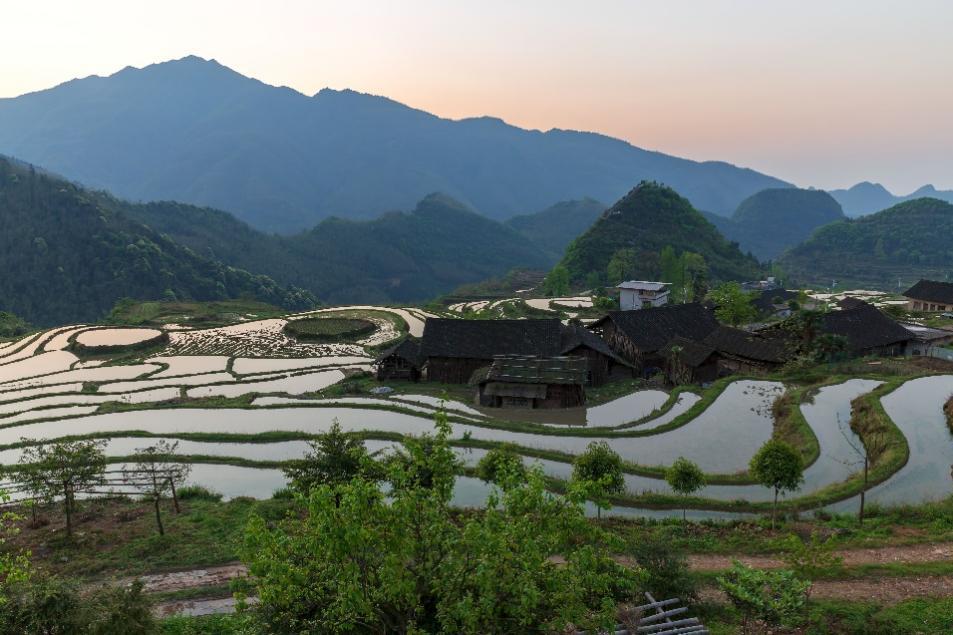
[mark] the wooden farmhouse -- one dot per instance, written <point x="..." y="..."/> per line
<point x="400" y="362"/>
<point x="532" y="382"/>
<point x="722" y="352"/>
<point x="867" y="330"/>
<point x="452" y="350"/>
<point x="639" y="337"/>
<point x="930" y="296"/>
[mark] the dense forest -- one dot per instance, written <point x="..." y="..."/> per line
<point x="66" y="257"/>
<point x="632" y="234"/>
<point x="908" y="241"/>
<point x="771" y="221"/>
<point x="399" y="257"/>
<point x="553" y="228"/>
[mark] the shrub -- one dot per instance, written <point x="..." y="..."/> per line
<point x="666" y="570"/>
<point x="501" y="465"/>
<point x="775" y="597"/>
<point x="329" y="329"/>
<point x="197" y="492"/>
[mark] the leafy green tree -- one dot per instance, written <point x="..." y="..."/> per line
<point x="65" y="468"/>
<point x="685" y="478"/>
<point x="14" y="564"/>
<point x="829" y="347"/>
<point x="732" y="305"/>
<point x="557" y="282"/>
<point x="664" y="566"/>
<point x="777" y="465"/>
<point x="605" y="303"/>
<point x="155" y="475"/>
<point x="12" y="326"/>
<point x="359" y="559"/>
<point x="695" y="280"/>
<point x="621" y="266"/>
<point x="335" y="458"/>
<point x="775" y="597"/>
<point x="598" y="471"/>
<point x="502" y="465"/>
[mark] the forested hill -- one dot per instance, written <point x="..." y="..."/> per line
<point x="773" y="220"/>
<point x="195" y="131"/>
<point x="645" y="221"/>
<point x="908" y="241"/>
<point x="67" y="257"/>
<point x="553" y="228"/>
<point x="398" y="257"/>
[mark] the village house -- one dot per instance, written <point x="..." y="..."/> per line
<point x="867" y="330"/>
<point x="724" y="351"/>
<point x="401" y="361"/>
<point x="638" y="337"/>
<point x="929" y="296"/>
<point x="776" y="302"/>
<point x="638" y="294"/>
<point x="926" y="341"/>
<point x="452" y="350"/>
<point x="532" y="382"/>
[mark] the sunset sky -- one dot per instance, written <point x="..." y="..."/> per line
<point x="820" y="93"/>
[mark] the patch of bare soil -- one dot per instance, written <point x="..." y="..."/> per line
<point x="884" y="591"/>
<point x="916" y="553"/>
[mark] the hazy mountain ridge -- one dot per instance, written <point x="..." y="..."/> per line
<point x="192" y="130"/>
<point x="867" y="198"/>
<point x="67" y="256"/>
<point x="908" y="241"/>
<point x="553" y="228"/>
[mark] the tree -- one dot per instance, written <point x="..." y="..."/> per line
<point x="694" y="276"/>
<point x="14" y="564"/>
<point x="732" y="305"/>
<point x="866" y="447"/>
<point x="780" y="466"/>
<point x="154" y="476"/>
<point x="685" y="478"/>
<point x="502" y="465"/>
<point x="776" y="597"/>
<point x="66" y="468"/>
<point x="598" y="471"/>
<point x="621" y="265"/>
<point x="335" y="458"/>
<point x="829" y="347"/>
<point x="557" y="282"/>
<point x="359" y="559"/>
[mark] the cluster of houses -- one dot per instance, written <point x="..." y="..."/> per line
<point x="543" y="363"/>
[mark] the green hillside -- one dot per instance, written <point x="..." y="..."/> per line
<point x="553" y="228"/>
<point x="771" y="221"/>
<point x="646" y="220"/>
<point x="909" y="241"/>
<point x="66" y="256"/>
<point x="399" y="257"/>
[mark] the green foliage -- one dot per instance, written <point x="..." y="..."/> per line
<point x="684" y="477"/>
<point x="664" y="566"/>
<point x="154" y="475"/>
<point x="777" y="465"/>
<point x="329" y="329"/>
<point x="777" y="598"/>
<point x="604" y="303"/>
<point x="69" y="254"/>
<point x="732" y="305"/>
<point x="811" y="558"/>
<point x="49" y="605"/>
<point x="908" y="241"/>
<point x="61" y="469"/>
<point x="14" y="564"/>
<point x="359" y="560"/>
<point x="553" y="228"/>
<point x="556" y="282"/>
<point x="197" y="492"/>
<point x="598" y="471"/>
<point x="502" y="465"/>
<point x="12" y="326"/>
<point x="633" y="233"/>
<point x="334" y="459"/>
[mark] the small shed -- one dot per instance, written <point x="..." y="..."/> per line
<point x="532" y="382"/>
<point x="400" y="362"/>
<point x="602" y="362"/>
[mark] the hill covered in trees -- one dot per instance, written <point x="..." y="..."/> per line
<point x="632" y="234"/>
<point x="65" y="256"/>
<point x="773" y="220"/>
<point x="398" y="257"/>
<point x="195" y="131"/>
<point x="553" y="228"/>
<point x="908" y="241"/>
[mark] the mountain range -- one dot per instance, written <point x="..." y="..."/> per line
<point x="194" y="131"/>
<point x="867" y="197"/>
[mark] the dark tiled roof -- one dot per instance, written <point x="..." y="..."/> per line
<point x="689" y="352"/>
<point x="575" y="336"/>
<point x="865" y="327"/>
<point x="485" y="339"/>
<point x="931" y="291"/>
<point x="736" y="342"/>
<point x="764" y="302"/>
<point x="537" y="370"/>
<point x="409" y="349"/>
<point x="652" y="328"/>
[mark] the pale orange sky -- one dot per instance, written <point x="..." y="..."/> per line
<point x="819" y="93"/>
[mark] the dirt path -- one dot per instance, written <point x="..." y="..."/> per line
<point x="883" y="591"/>
<point x="909" y="554"/>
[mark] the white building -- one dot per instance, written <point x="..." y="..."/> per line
<point x="638" y="294"/>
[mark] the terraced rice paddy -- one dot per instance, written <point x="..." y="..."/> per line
<point x="46" y="393"/>
<point x="97" y="338"/>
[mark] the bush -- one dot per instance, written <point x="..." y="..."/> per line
<point x="329" y="329"/>
<point x="666" y="569"/>
<point x="777" y="598"/>
<point x="197" y="492"/>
